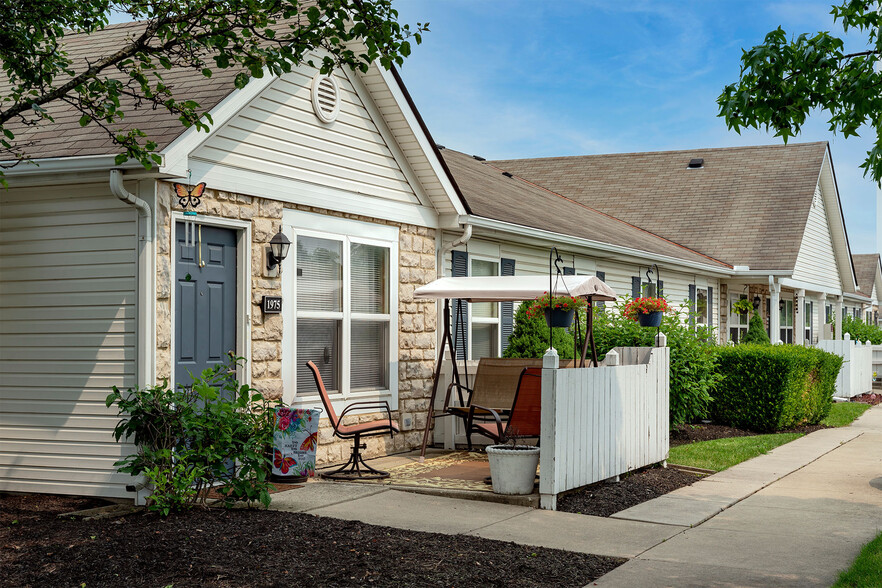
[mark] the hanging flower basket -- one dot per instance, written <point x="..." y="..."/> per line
<point x="559" y="318"/>
<point x="646" y="311"/>
<point x="742" y="306"/>
<point x="558" y="310"/>
<point x="650" y="319"/>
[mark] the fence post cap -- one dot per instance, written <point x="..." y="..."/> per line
<point x="551" y="360"/>
<point x="612" y="357"/>
<point x="661" y="340"/>
<point x="847" y="337"/>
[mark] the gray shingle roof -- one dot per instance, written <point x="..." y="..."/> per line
<point x="65" y="137"/>
<point x="865" y="266"/>
<point x="490" y="194"/>
<point x="745" y="206"/>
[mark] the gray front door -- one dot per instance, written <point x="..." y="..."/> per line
<point x="205" y="300"/>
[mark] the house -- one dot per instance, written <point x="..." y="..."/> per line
<point x="868" y="270"/>
<point x="771" y="213"/>
<point x="105" y="281"/>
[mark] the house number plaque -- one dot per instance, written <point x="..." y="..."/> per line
<point x="271" y="304"/>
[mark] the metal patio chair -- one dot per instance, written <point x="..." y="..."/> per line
<point x="355" y="468"/>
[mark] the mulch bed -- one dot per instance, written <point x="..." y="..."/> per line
<point x="259" y="548"/>
<point x="684" y="434"/>
<point x="872" y="398"/>
<point x="607" y="498"/>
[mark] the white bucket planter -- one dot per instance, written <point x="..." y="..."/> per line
<point x="513" y="469"/>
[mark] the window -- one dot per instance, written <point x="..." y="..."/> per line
<point x="341" y="313"/>
<point x="701" y="307"/>
<point x="738" y="323"/>
<point x="828" y="314"/>
<point x="809" y="321"/>
<point x="484" y="323"/>
<point x="785" y="308"/>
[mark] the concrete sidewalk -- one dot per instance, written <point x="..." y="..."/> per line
<point x="793" y="517"/>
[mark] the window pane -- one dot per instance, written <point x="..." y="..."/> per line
<point x="485" y="268"/>
<point x="318" y="340"/>
<point x="369" y="367"/>
<point x="370" y="278"/>
<point x="484" y="340"/>
<point x="319" y="274"/>
<point x="701" y="307"/>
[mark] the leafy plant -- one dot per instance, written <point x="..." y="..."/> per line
<point x="193" y="438"/>
<point x="756" y="332"/>
<point x="633" y="309"/>
<point x="786" y="78"/>
<point x="861" y="331"/>
<point x="767" y="388"/>
<point x="693" y="362"/>
<point x="742" y="306"/>
<point x="530" y="336"/>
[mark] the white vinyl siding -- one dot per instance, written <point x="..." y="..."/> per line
<point x="534" y="261"/>
<point x="344" y="164"/>
<point x="816" y="262"/>
<point x="67" y="334"/>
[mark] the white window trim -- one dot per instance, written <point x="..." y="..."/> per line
<point x="792" y="327"/>
<point x="497" y="320"/>
<point x="736" y="325"/>
<point x="296" y="223"/>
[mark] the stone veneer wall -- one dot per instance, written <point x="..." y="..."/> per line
<point x="416" y="319"/>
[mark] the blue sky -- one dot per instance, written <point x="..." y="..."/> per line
<point x="513" y="78"/>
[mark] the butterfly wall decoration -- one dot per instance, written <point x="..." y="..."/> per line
<point x="189" y="197"/>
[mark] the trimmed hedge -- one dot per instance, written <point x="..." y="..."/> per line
<point x="767" y="388"/>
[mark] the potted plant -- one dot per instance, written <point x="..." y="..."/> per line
<point x="558" y="310"/>
<point x="512" y="466"/>
<point x="742" y="306"/>
<point x="646" y="311"/>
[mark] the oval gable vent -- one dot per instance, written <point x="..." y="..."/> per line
<point x="325" y="98"/>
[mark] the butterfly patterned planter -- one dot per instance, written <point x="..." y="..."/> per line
<point x="295" y="439"/>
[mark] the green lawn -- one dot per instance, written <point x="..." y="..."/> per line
<point x="843" y="413"/>
<point x="866" y="569"/>
<point x="720" y="454"/>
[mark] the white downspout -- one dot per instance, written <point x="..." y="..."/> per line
<point x="146" y="297"/>
<point x="462" y="240"/>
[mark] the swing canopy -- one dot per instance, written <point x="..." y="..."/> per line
<point x="514" y="288"/>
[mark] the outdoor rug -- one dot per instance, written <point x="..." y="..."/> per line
<point x="460" y="470"/>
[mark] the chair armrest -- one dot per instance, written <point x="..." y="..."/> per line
<point x="495" y="415"/>
<point x="368" y="404"/>
<point x="460" y="388"/>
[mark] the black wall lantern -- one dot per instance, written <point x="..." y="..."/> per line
<point x="756" y="302"/>
<point x="277" y="250"/>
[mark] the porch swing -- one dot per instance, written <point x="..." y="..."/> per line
<point x="498" y="289"/>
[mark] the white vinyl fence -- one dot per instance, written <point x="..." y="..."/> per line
<point x="602" y="422"/>
<point x="856" y="376"/>
<point x="877" y="360"/>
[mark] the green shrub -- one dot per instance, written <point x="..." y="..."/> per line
<point x="756" y="332"/>
<point x="693" y="363"/>
<point x="530" y="337"/>
<point x="861" y="331"/>
<point x="191" y="438"/>
<point x="767" y="388"/>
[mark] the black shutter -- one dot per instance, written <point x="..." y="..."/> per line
<point x="710" y="306"/>
<point x="661" y="289"/>
<point x="692" y="308"/>
<point x="635" y="287"/>
<point x="460" y="269"/>
<point x="602" y="277"/>
<point x="506" y="311"/>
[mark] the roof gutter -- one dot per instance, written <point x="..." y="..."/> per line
<point x="520" y="230"/>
